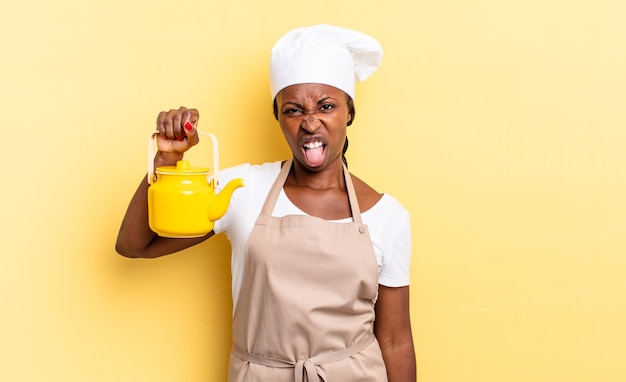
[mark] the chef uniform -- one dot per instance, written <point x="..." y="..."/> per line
<point x="305" y="310"/>
<point x="306" y="305"/>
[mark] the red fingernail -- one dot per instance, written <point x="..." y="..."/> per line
<point x="180" y="138"/>
<point x="188" y="126"/>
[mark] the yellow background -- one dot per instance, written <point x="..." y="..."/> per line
<point x="499" y="124"/>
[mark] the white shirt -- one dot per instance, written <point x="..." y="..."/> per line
<point x="387" y="220"/>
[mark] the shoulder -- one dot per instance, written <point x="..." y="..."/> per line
<point x="257" y="179"/>
<point x="246" y="202"/>
<point x="389" y="207"/>
<point x="390" y="229"/>
<point x="367" y="195"/>
<point x="251" y="173"/>
<point x="388" y="217"/>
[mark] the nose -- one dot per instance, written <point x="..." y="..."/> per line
<point x="310" y="122"/>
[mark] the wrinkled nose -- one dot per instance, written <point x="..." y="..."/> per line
<point x="310" y="122"/>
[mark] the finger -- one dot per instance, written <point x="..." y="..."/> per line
<point x="189" y="122"/>
<point x="170" y="122"/>
<point x="160" y="123"/>
<point x="177" y="124"/>
<point x="182" y="117"/>
<point x="191" y="133"/>
<point x="191" y="116"/>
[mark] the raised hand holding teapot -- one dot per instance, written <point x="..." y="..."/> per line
<point x="182" y="202"/>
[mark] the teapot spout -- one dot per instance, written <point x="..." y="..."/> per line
<point x="219" y="204"/>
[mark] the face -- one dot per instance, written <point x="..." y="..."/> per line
<point x="313" y="118"/>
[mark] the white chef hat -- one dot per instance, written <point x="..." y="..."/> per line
<point x="323" y="54"/>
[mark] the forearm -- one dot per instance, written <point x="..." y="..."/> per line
<point x="400" y="362"/>
<point x="393" y="331"/>
<point x="135" y="238"/>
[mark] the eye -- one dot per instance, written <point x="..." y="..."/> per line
<point x="292" y="112"/>
<point x="327" y="107"/>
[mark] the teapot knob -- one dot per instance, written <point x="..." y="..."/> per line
<point x="183" y="165"/>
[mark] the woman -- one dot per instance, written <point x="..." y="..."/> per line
<point x="318" y="295"/>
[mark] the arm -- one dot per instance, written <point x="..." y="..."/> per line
<point x="393" y="331"/>
<point x="135" y="238"/>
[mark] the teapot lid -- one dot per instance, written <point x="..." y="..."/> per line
<point x="182" y="167"/>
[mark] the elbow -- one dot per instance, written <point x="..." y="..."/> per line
<point x="126" y="251"/>
<point x="396" y="343"/>
<point x="123" y="252"/>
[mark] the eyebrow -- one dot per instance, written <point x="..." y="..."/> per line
<point x="321" y="101"/>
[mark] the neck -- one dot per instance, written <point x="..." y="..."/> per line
<point x="328" y="178"/>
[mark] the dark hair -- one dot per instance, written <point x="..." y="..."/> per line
<point x="352" y="111"/>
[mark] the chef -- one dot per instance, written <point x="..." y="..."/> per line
<point x="320" y="260"/>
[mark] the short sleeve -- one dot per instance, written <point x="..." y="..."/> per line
<point x="390" y="227"/>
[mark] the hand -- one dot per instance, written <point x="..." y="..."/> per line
<point x="177" y="130"/>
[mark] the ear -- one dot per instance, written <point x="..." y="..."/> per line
<point x="349" y="122"/>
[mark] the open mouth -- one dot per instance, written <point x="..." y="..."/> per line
<point x="314" y="152"/>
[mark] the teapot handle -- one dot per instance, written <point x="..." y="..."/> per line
<point x="151" y="145"/>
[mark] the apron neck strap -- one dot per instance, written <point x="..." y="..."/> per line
<point x="272" y="197"/>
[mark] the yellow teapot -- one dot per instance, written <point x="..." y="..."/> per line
<point x="182" y="202"/>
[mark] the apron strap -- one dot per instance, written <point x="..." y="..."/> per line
<point x="272" y="196"/>
<point x="354" y="203"/>
<point x="309" y="367"/>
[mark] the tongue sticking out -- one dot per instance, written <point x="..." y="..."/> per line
<point x="315" y="155"/>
